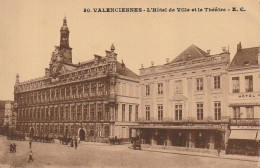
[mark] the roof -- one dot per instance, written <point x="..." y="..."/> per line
<point x="124" y="71"/>
<point x="245" y="57"/>
<point x="192" y="52"/>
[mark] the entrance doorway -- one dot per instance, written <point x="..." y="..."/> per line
<point x="82" y="134"/>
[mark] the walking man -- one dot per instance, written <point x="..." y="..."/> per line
<point x="11" y="148"/>
<point x="30" y="143"/>
<point x="219" y="150"/>
<point x="14" y="147"/>
<point x="30" y="157"/>
<point x="76" y="144"/>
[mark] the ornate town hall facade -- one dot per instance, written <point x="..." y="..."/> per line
<point x="93" y="99"/>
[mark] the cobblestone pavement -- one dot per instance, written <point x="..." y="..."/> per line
<point x="103" y="155"/>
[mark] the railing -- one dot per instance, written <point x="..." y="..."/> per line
<point x="244" y="121"/>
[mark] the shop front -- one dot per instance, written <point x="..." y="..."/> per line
<point x="243" y="141"/>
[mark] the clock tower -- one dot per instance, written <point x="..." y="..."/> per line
<point x="64" y="43"/>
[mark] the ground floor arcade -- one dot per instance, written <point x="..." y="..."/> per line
<point x="86" y="131"/>
<point x="207" y="138"/>
<point x="99" y="131"/>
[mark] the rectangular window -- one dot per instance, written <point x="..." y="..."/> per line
<point x="107" y="131"/>
<point x="178" y="112"/>
<point x="47" y="113"/>
<point x="107" y="112"/>
<point x="147" y="112"/>
<point x="199" y="111"/>
<point x="236" y="112"/>
<point x="216" y="82"/>
<point x="61" y="113"/>
<point x="199" y="84"/>
<point x="92" y="112"/>
<point x="130" y="112"/>
<point x="80" y="90"/>
<point x="123" y="112"/>
<point x="72" y="113"/>
<point x="67" y="112"/>
<point x="249" y="83"/>
<point x="249" y="112"/>
<point x="86" y="89"/>
<point x="160" y="112"/>
<point x="79" y="112"/>
<point x="85" y="112"/>
<point x="147" y="90"/>
<point x="235" y="83"/>
<point x="93" y="89"/>
<point x="160" y="88"/>
<point x="99" y="112"/>
<point x="136" y="113"/>
<point x="178" y="87"/>
<point x="56" y="115"/>
<point x="68" y="92"/>
<point x="116" y="112"/>
<point x="217" y="110"/>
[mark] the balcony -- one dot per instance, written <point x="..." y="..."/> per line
<point x="244" y="121"/>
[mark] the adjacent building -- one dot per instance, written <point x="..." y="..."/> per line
<point x="94" y="99"/>
<point x="244" y="100"/>
<point x="185" y="101"/>
<point x="7" y="116"/>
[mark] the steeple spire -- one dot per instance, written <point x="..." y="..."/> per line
<point x="64" y="21"/>
<point x="64" y="34"/>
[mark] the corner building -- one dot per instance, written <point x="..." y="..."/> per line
<point x="185" y="102"/>
<point x="78" y="99"/>
<point x="244" y="101"/>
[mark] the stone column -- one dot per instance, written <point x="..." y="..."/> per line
<point x="153" y="141"/>
<point x="191" y="139"/>
<point x="168" y="141"/>
<point x="211" y="140"/>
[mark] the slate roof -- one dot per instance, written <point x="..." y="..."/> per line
<point x="124" y="71"/>
<point x="193" y="52"/>
<point x="245" y="57"/>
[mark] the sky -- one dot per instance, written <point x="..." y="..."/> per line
<point x="29" y="30"/>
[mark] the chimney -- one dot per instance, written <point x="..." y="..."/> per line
<point x="224" y="49"/>
<point x="239" y="46"/>
<point x="123" y="64"/>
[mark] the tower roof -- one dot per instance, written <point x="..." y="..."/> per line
<point x="192" y="52"/>
<point x="64" y="26"/>
<point x="245" y="57"/>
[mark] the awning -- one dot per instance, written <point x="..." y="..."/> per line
<point x="243" y="134"/>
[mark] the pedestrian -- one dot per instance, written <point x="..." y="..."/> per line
<point x="14" y="147"/>
<point x="71" y="143"/>
<point x="30" y="143"/>
<point x="76" y="144"/>
<point x="219" y="150"/>
<point x="30" y="157"/>
<point x="11" y="148"/>
<point x="78" y="139"/>
<point x="68" y="144"/>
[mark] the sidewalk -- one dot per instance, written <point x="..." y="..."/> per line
<point x="213" y="154"/>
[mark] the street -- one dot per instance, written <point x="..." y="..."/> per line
<point x="103" y="155"/>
